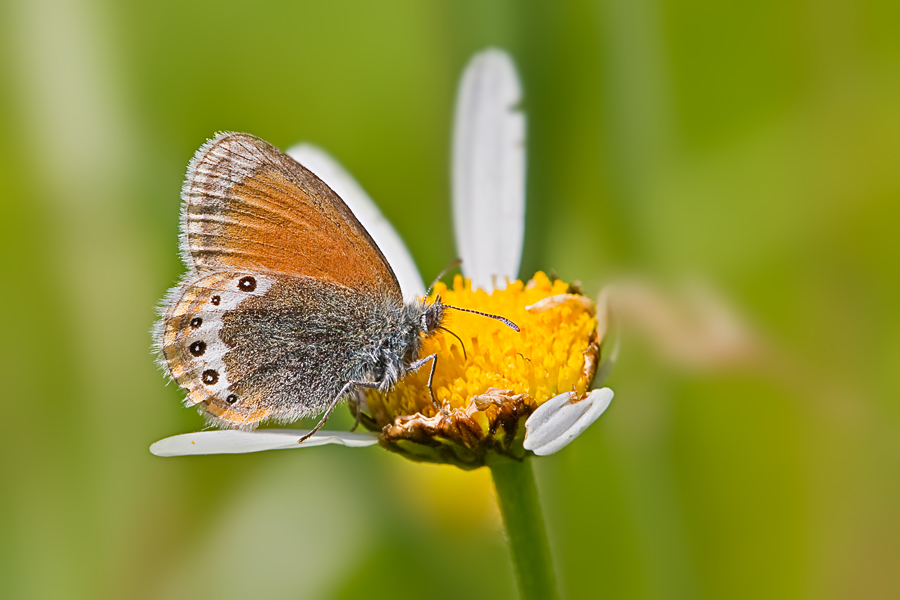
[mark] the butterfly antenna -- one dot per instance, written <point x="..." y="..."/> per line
<point x="457" y="337"/>
<point x="455" y="263"/>
<point x="503" y="320"/>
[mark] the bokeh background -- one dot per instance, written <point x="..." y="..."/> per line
<point x="754" y="145"/>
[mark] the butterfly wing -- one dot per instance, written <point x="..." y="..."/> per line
<point x="249" y="207"/>
<point x="190" y="350"/>
<point x="249" y="347"/>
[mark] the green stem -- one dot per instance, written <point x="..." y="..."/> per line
<point x="517" y="494"/>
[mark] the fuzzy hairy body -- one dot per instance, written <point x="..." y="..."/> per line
<point x="301" y="342"/>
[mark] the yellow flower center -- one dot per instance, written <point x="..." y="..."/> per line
<point x="502" y="374"/>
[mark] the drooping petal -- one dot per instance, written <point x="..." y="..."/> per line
<point x="558" y="421"/>
<point x="607" y="330"/>
<point x="338" y="179"/>
<point x="489" y="171"/>
<point x="240" y="442"/>
<point x="608" y="363"/>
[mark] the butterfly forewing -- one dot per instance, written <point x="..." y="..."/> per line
<point x="248" y="206"/>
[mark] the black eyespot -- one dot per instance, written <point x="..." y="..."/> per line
<point x="197" y="348"/>
<point x="247" y="284"/>
<point x="215" y="300"/>
<point x="231" y="399"/>
<point x="196" y="322"/>
<point x="210" y="377"/>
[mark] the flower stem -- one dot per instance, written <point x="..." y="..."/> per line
<point x="517" y="494"/>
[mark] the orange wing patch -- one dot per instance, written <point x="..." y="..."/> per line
<point x="234" y="418"/>
<point x="248" y="206"/>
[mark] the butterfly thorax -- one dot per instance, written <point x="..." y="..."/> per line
<point x="400" y="342"/>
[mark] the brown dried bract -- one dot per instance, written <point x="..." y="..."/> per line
<point x="490" y="427"/>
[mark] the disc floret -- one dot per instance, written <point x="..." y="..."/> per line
<point x="490" y="387"/>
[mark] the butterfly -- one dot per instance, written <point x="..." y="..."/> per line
<point x="287" y="305"/>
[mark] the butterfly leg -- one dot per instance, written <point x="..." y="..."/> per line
<point x="334" y="403"/>
<point x="416" y="366"/>
<point x="356" y="403"/>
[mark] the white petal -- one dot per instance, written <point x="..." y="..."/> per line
<point x="489" y="171"/>
<point x="240" y="442"/>
<point x="558" y="421"/>
<point x="338" y="179"/>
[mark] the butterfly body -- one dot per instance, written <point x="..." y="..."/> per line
<point x="287" y="303"/>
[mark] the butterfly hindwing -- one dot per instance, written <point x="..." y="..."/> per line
<point x="249" y="347"/>
<point x="188" y="342"/>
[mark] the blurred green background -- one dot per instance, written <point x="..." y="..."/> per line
<point x="752" y="144"/>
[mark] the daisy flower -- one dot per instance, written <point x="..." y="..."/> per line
<point x="504" y="394"/>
